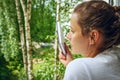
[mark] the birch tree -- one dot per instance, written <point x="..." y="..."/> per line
<point x="27" y="17"/>
<point x="56" y="41"/>
<point x="22" y="35"/>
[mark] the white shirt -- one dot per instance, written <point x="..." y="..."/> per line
<point x="105" y="66"/>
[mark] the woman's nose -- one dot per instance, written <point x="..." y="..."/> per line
<point x="69" y="36"/>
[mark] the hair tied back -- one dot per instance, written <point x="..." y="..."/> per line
<point x="116" y="8"/>
<point x="117" y="12"/>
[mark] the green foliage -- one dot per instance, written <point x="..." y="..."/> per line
<point x="9" y="39"/>
<point x="45" y="68"/>
<point x="66" y="9"/>
<point x="43" y="20"/>
<point x="46" y="72"/>
<point x="9" y="42"/>
<point x="4" y="71"/>
<point x="9" y="70"/>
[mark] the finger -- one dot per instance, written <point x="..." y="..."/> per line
<point x="61" y="56"/>
<point x="66" y="48"/>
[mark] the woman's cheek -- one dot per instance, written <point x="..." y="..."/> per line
<point x="75" y="45"/>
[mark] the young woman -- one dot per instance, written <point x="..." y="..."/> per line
<point x="95" y="34"/>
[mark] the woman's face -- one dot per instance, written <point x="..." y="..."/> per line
<point x="79" y="43"/>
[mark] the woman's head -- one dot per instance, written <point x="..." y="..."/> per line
<point x="97" y="18"/>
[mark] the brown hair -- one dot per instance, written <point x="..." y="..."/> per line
<point x="101" y="16"/>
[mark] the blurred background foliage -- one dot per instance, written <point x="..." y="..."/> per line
<point x="43" y="20"/>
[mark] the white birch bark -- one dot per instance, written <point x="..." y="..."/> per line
<point x="28" y="41"/>
<point x="56" y="42"/>
<point x="27" y="17"/>
<point x="22" y="35"/>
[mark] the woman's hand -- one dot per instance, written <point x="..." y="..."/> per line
<point x="65" y="59"/>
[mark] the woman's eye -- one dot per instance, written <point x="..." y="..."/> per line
<point x="72" y="31"/>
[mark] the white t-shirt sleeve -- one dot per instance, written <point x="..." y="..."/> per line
<point x="76" y="70"/>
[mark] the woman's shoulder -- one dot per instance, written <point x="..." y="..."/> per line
<point x="80" y="64"/>
<point x="80" y="61"/>
<point x="110" y="55"/>
<point x="75" y="70"/>
<point x="107" y="62"/>
<point x="83" y="61"/>
<point x="107" y="56"/>
<point x="79" y="69"/>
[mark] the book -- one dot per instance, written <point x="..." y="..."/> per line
<point x="60" y="38"/>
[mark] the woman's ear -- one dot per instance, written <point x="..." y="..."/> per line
<point x="94" y="37"/>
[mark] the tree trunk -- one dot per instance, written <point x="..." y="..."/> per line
<point x="27" y="17"/>
<point x="28" y="41"/>
<point x="56" y="42"/>
<point x="22" y="35"/>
